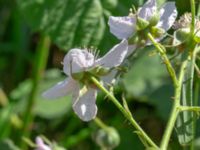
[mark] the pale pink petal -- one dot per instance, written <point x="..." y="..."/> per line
<point x="122" y="27"/>
<point x="77" y="60"/>
<point x="131" y="49"/>
<point x="85" y="106"/>
<point x="168" y="14"/>
<point x="62" y="88"/>
<point x="115" y="56"/>
<point x="148" y="10"/>
<point x="40" y="145"/>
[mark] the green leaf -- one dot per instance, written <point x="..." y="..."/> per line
<point x="68" y="22"/>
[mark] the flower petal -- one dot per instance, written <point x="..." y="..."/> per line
<point x="85" y="106"/>
<point x="77" y="60"/>
<point x="122" y="27"/>
<point x="115" y="56"/>
<point x="148" y="10"/>
<point x="131" y="49"/>
<point x="41" y="145"/>
<point x="168" y="14"/>
<point x="61" y="89"/>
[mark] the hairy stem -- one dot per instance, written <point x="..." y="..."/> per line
<point x="175" y="110"/>
<point x="165" y="59"/>
<point x="189" y="108"/>
<point x="124" y="112"/>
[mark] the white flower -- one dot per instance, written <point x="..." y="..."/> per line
<point x="78" y="62"/>
<point x="40" y="145"/>
<point x="125" y="27"/>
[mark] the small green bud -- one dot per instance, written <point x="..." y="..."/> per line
<point x="78" y="76"/>
<point x="157" y="32"/>
<point x="108" y="138"/>
<point x="154" y="19"/>
<point x="197" y="37"/>
<point x="181" y="35"/>
<point x="100" y="71"/>
<point x="141" y="24"/>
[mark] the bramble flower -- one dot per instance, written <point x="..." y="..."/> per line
<point x="79" y="65"/>
<point x="40" y="145"/>
<point x="147" y="19"/>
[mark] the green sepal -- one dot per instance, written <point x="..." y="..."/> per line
<point x="141" y="24"/>
<point x="78" y="76"/>
<point x="157" y="32"/>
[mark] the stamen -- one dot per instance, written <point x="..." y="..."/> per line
<point x="185" y="22"/>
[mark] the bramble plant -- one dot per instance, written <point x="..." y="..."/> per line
<point x="143" y="29"/>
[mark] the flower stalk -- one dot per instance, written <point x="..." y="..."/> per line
<point x="175" y="111"/>
<point x="124" y="112"/>
<point x="163" y="55"/>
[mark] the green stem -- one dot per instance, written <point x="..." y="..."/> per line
<point x="40" y="64"/>
<point x="124" y="112"/>
<point x="175" y="110"/>
<point x="100" y="123"/>
<point x="189" y="108"/>
<point x="163" y="55"/>
<point x="192" y="28"/>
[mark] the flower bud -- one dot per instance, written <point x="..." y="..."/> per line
<point x="108" y="138"/>
<point x="181" y="35"/>
<point x="157" y="32"/>
<point x="197" y="37"/>
<point x="78" y="76"/>
<point x="154" y="19"/>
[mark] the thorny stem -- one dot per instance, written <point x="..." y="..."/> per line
<point x="177" y="85"/>
<point x="163" y="55"/>
<point x="189" y="108"/>
<point x="124" y="112"/>
<point x="175" y="110"/>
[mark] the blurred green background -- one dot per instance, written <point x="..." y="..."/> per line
<point x="27" y="28"/>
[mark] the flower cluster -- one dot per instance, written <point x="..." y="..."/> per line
<point x="80" y="64"/>
<point x="146" y="19"/>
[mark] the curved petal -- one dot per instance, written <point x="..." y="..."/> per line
<point x="122" y="27"/>
<point x="41" y="145"/>
<point x="77" y="60"/>
<point x="131" y="49"/>
<point x="148" y="10"/>
<point x="168" y="14"/>
<point x="61" y="89"/>
<point x="115" y="56"/>
<point x="85" y="106"/>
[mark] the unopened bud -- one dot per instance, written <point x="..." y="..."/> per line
<point x="154" y="19"/>
<point x="108" y="138"/>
